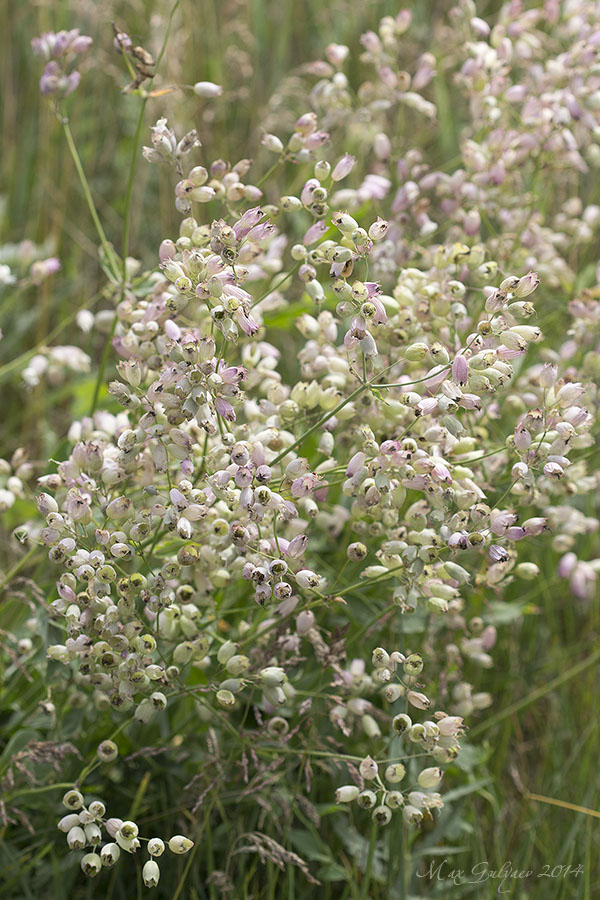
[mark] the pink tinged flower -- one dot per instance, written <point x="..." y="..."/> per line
<point x="357" y="462"/>
<point x="166" y="251"/>
<point x="298" y="466"/>
<point x="515" y="533"/>
<point x="232" y="374"/>
<point x="307" y="123"/>
<point x="380" y="317"/>
<point x="497" y="553"/>
<point x="243" y="476"/>
<point x="247" y="323"/>
<point x="458" y="540"/>
<point x="308" y="190"/>
<point x="246" y="497"/>
<point x="316" y="139"/>
<point x="450" y="726"/>
<point x="426" y="406"/>
<point x="535" y="526"/>
<point x="460" y="369"/>
<point x="248" y="221"/>
<point x="382" y="146"/>
<point x="297" y="546"/>
<point x="417" y="483"/>
<point x="553" y="470"/>
<point x="440" y="472"/>
<point x="567" y="564"/>
<point x="437" y="375"/>
<point x="488" y="637"/>
<point x="371" y="42"/>
<point x="378" y="229"/>
<point x="374" y="187"/>
<point x="305" y="484"/>
<point x="583" y="581"/>
<point x="470" y="401"/>
<point x="65" y="592"/>
<point x="350" y="341"/>
<point x="501" y="520"/>
<point x="343" y="167"/>
<point x="336" y="54"/>
<point x="575" y="415"/>
<point x="320" y="494"/>
<point x="178" y="499"/>
<point x="50" y="80"/>
<point x="225" y="409"/>
<point x="472" y="222"/>
<point x="522" y="438"/>
<point x="388" y="77"/>
<point x="314" y="233"/>
<point x="480" y="27"/>
<point x="527" y="285"/>
<point x="172" y="330"/>
<point x="548" y="375"/>
<point x="516" y="93"/>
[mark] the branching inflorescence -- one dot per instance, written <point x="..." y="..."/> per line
<point x="425" y="427"/>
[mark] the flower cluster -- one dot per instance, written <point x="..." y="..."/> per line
<point x="84" y="826"/>
<point x="59" y="50"/>
<point x="217" y="527"/>
<point x="438" y="736"/>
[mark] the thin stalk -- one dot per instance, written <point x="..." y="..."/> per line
<point x="537" y="694"/>
<point x="369" y="868"/>
<point x="127" y="214"/>
<point x="17" y="567"/>
<point x="324" y="418"/>
<point x="110" y="253"/>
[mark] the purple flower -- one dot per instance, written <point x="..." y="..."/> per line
<point x="343" y="168"/>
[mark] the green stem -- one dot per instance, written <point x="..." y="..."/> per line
<point x="126" y="217"/>
<point x="26" y="792"/>
<point x="371" y="855"/>
<point x="110" y="253"/>
<point x="18" y="566"/>
<point x="537" y="694"/>
<point x="326" y="416"/>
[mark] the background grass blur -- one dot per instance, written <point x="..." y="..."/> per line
<point x="542" y="734"/>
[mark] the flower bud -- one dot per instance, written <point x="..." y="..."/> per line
<point x="527" y="570"/>
<point x="429" y="778"/>
<point x="91" y="864"/>
<point x="107" y="751"/>
<point x="180" y="844"/>
<point x="237" y="665"/>
<point x="109" y="854"/>
<point x="76" y="838"/>
<point x="73" y="800"/>
<point x="367" y="799"/>
<point x="304" y="622"/>
<point x="272" y="143"/>
<point x="207" y="89"/>
<point x="380" y="658"/>
<point x="412" y="815"/>
<point x="401" y="723"/>
<point x="368" y="768"/>
<point x="346" y="794"/>
<point x="381" y="815"/>
<point x="151" y="873"/>
<point x="395" y="773"/>
<point x="68" y="822"/>
<point x="156" y="846"/>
